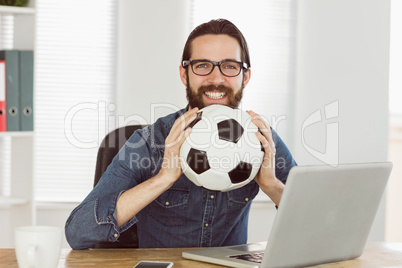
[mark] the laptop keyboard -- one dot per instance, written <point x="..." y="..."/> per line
<point x="253" y="257"/>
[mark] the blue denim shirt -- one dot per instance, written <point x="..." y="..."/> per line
<point x="184" y="216"/>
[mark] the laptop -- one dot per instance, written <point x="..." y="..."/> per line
<point x="325" y="215"/>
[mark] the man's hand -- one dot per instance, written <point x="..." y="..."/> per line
<point x="171" y="160"/>
<point x="135" y="199"/>
<point x="265" y="178"/>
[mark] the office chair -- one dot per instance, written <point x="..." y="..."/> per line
<point x="109" y="147"/>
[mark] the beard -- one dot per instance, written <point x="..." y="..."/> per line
<point x="195" y="97"/>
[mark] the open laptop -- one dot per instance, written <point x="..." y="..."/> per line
<point x="325" y="215"/>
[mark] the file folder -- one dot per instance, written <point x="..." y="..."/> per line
<point x="26" y="90"/>
<point x="12" y="88"/>
<point x="3" y="114"/>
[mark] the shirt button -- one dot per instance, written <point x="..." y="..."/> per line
<point x="108" y="218"/>
<point x="115" y="235"/>
<point x="167" y="203"/>
<point x="212" y="196"/>
<point x="206" y="225"/>
<point x="246" y="199"/>
<point x="100" y="219"/>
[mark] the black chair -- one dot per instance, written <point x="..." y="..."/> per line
<point x="110" y="146"/>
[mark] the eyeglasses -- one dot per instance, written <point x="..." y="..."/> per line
<point x="228" y="68"/>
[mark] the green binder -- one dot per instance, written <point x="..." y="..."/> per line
<point x="26" y="90"/>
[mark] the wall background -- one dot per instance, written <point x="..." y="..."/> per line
<point x="343" y="68"/>
<point x="151" y="37"/>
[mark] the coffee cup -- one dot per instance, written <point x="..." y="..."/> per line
<point x="38" y="246"/>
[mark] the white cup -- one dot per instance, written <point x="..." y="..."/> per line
<point x="38" y="246"/>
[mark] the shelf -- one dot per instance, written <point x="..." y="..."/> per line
<point x="10" y="10"/>
<point x="12" y="201"/>
<point x="19" y="204"/>
<point x="16" y="134"/>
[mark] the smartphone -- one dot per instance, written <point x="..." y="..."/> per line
<point x="154" y="264"/>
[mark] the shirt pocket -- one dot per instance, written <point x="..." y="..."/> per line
<point x="239" y="201"/>
<point x="170" y="208"/>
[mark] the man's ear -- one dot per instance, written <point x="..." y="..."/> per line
<point x="183" y="75"/>
<point x="247" y="76"/>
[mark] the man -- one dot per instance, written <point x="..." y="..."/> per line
<point x="169" y="210"/>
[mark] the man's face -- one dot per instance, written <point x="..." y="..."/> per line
<point x="214" y="88"/>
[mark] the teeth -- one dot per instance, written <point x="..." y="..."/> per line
<point x="215" y="95"/>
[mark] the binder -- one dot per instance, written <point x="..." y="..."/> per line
<point x="3" y="115"/>
<point x="26" y="90"/>
<point x="12" y="88"/>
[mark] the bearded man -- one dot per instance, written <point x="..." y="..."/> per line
<point x="168" y="209"/>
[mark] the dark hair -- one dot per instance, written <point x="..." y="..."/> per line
<point x="219" y="26"/>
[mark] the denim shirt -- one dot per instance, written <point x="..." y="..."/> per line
<point x="184" y="216"/>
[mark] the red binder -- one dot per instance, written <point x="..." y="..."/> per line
<point x="3" y="113"/>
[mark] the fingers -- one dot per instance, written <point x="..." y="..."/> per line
<point x="179" y="133"/>
<point x="265" y="134"/>
<point x="184" y="120"/>
<point x="268" y="147"/>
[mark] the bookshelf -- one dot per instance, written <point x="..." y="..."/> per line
<point x="18" y="208"/>
<point x="9" y="10"/>
<point x="12" y="201"/>
<point x="16" y="134"/>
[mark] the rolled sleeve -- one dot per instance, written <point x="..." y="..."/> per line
<point x="95" y="221"/>
<point x="105" y="213"/>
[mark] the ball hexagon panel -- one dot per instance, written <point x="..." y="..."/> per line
<point x="197" y="160"/>
<point x="230" y="130"/>
<point x="241" y="172"/>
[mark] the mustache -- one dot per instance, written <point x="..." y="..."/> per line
<point x="219" y="88"/>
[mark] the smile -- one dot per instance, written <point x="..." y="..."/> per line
<point x="215" y="94"/>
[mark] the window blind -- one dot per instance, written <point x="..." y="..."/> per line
<point x="75" y="54"/>
<point x="269" y="28"/>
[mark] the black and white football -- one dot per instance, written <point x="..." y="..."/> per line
<point x="222" y="152"/>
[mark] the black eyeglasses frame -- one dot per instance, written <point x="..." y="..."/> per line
<point x="243" y="66"/>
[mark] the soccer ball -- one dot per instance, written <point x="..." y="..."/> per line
<point x="222" y="152"/>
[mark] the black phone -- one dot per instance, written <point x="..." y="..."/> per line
<point x="154" y="264"/>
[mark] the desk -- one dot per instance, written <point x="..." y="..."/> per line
<point x="376" y="255"/>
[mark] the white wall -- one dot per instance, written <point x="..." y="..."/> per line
<point x="343" y="57"/>
<point x="151" y="37"/>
